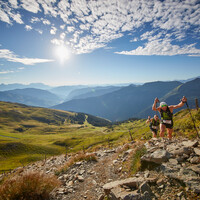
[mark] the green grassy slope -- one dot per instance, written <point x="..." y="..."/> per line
<point x="28" y="134"/>
<point x="184" y="125"/>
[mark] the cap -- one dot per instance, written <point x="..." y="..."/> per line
<point x="162" y="104"/>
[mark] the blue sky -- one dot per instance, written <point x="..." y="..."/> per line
<point x="60" y="42"/>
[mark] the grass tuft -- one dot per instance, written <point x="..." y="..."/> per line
<point x="28" y="186"/>
<point x="136" y="159"/>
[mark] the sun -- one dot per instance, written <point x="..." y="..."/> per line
<point x="62" y="53"/>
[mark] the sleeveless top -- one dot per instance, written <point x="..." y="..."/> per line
<point x="154" y="124"/>
<point x="166" y="116"/>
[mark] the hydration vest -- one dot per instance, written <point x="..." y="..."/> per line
<point x="154" y="124"/>
<point x="166" y="115"/>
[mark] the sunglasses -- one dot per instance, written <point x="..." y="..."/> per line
<point x="163" y="105"/>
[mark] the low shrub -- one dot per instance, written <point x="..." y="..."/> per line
<point x="28" y="186"/>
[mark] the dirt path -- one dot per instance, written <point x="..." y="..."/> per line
<point x="95" y="175"/>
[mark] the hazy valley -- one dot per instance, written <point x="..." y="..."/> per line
<point x="115" y="103"/>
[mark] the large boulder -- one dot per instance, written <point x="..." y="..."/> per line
<point x="136" y="188"/>
<point x="119" y="193"/>
<point x="197" y="151"/>
<point x="130" y="182"/>
<point x="159" y="156"/>
<point x="190" y="143"/>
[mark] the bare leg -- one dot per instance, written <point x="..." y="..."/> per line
<point x="154" y="134"/>
<point x="162" y="130"/>
<point x="169" y="131"/>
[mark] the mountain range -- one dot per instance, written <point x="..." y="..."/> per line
<point x="189" y="89"/>
<point x="30" y="96"/>
<point x="91" y="92"/>
<point x="66" y="89"/>
<point x="13" y="86"/>
<point x="134" y="101"/>
<point x="115" y="103"/>
<point x="121" y="104"/>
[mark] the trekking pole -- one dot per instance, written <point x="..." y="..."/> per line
<point x="156" y="107"/>
<point x="192" y="119"/>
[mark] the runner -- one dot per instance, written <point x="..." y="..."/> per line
<point x="154" y="124"/>
<point x="166" y="113"/>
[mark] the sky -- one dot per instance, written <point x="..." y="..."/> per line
<point x="73" y="42"/>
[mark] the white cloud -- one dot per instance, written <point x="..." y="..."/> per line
<point x="7" y="14"/>
<point x="87" y="44"/>
<point x="134" y="40"/>
<point x="49" y="7"/>
<point x="62" y="36"/>
<point x="10" y="56"/>
<point x="17" y="18"/>
<point x="53" y="30"/>
<point x="4" y="16"/>
<point x="70" y="29"/>
<point x="177" y="15"/>
<point x="39" y="31"/>
<point x="46" y="22"/>
<point x="31" y="5"/>
<point x="108" y="48"/>
<point x="63" y="5"/>
<point x="13" y="3"/>
<point x="28" y="28"/>
<point x="6" y="72"/>
<point x="57" y="41"/>
<point x="85" y="26"/>
<point x="104" y="21"/>
<point x="163" y="48"/>
<point x="34" y="19"/>
<point x="62" y="26"/>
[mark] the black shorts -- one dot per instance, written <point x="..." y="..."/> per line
<point x="168" y="125"/>
<point x="154" y="130"/>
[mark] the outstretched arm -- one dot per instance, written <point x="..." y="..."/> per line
<point x="154" y="104"/>
<point x="148" y="120"/>
<point x="181" y="104"/>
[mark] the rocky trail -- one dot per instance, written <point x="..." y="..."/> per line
<point x="170" y="170"/>
<point x="86" y="180"/>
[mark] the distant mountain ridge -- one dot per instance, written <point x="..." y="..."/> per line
<point x="91" y="92"/>
<point x="190" y="79"/>
<point x="30" y="96"/>
<point x="110" y="102"/>
<point x="64" y="91"/>
<point x="121" y="104"/>
<point x="68" y="88"/>
<point x="189" y="89"/>
<point x="5" y="87"/>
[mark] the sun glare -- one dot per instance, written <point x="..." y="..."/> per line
<point x="62" y="53"/>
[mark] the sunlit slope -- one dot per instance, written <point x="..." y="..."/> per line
<point x="190" y="89"/>
<point x="24" y="117"/>
<point x="28" y="134"/>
